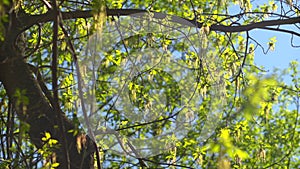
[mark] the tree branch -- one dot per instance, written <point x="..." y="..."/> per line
<point x="34" y="19"/>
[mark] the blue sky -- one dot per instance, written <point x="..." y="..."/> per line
<point x="283" y="53"/>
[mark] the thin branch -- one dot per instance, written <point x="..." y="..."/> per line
<point x="56" y="21"/>
<point x="292" y="44"/>
<point x="80" y="90"/>
<point x="48" y="5"/>
<point x="245" y="56"/>
<point x="282" y="30"/>
<point x="54" y="58"/>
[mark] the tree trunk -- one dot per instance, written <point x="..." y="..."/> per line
<point x="34" y="108"/>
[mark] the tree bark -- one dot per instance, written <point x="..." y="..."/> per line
<point x="35" y="109"/>
<point x="38" y="113"/>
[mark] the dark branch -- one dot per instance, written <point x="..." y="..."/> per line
<point x="34" y="19"/>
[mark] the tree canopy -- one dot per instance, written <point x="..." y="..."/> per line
<point x="146" y="84"/>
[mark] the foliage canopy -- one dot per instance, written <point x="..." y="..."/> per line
<point x="153" y="84"/>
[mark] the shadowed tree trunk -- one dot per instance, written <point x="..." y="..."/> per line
<point x="38" y="113"/>
<point x="34" y="108"/>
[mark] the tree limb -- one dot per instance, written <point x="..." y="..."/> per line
<point x="34" y="19"/>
